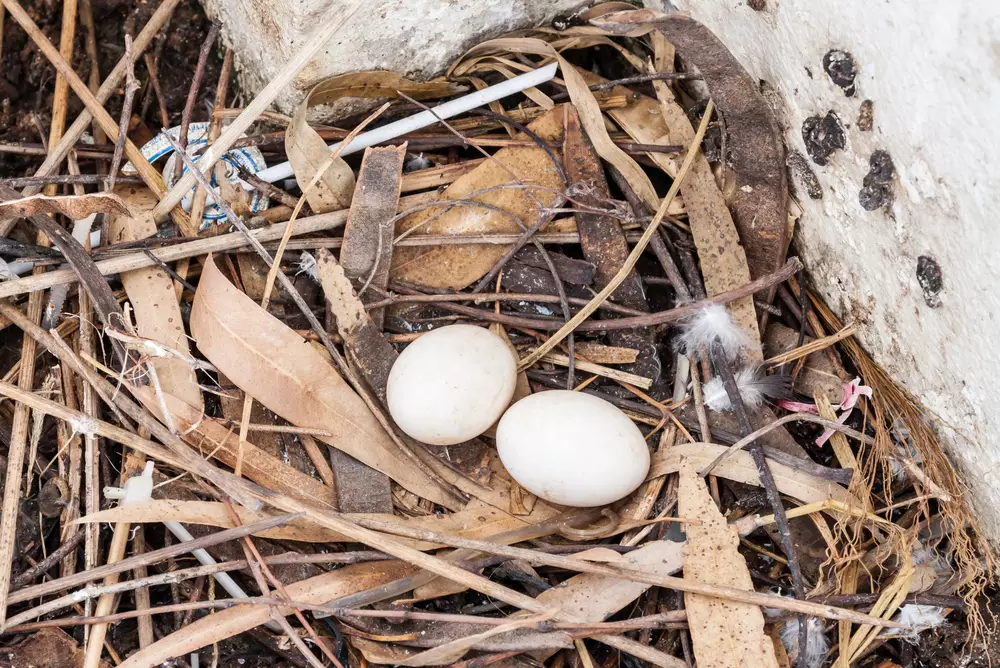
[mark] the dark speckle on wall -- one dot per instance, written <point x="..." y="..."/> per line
<point x="823" y="135"/>
<point x="877" y="189"/>
<point x="930" y="279"/>
<point x="842" y="70"/>
<point x="866" y="116"/>
<point x="757" y="5"/>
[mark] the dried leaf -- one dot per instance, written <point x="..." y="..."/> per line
<point x="379" y="84"/>
<point x="291" y="378"/>
<point x="457" y="267"/>
<point x="723" y="633"/>
<point x="151" y="292"/>
<point x="75" y="207"/>
<point x="740" y="467"/>
<point x="309" y="154"/>
<point x="227" y="623"/>
<point x="49" y="648"/>
<point x="480" y="523"/>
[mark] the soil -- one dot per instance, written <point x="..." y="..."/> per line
<point x="28" y="80"/>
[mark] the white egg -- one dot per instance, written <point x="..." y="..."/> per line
<point x="572" y="448"/>
<point x="451" y="384"/>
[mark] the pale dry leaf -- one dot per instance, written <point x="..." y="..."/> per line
<point x="75" y="207"/>
<point x="740" y="467"/>
<point x="724" y="634"/>
<point x="227" y="623"/>
<point x="154" y="302"/>
<point x="291" y="378"/>
<point x="457" y="267"/>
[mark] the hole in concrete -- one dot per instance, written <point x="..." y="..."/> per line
<point x="930" y="279"/>
<point x="823" y="135"/>
<point x="841" y="69"/>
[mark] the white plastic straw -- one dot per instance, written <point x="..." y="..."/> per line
<point x="427" y="118"/>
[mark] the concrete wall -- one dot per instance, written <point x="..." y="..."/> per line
<point x="913" y="256"/>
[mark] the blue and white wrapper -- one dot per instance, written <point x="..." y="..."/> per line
<point x="250" y="158"/>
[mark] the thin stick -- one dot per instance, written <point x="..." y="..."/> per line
<point x="259" y="104"/>
<point x="131" y="86"/>
<point x="116" y="551"/>
<point x="148" y="558"/>
<point x="57" y="555"/>
<point x="192" y="96"/>
<point x="812" y="347"/>
<point x="633" y="257"/>
<point x="90" y="46"/>
<point x="481" y="298"/>
<point x="725" y="370"/>
<point x="68" y="179"/>
<point x="154" y="80"/>
<point x="214" y="129"/>
<point x="15" y="452"/>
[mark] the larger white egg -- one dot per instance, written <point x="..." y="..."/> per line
<point x="572" y="448"/>
<point x="451" y="384"/>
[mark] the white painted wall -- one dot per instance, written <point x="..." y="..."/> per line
<point x="932" y="70"/>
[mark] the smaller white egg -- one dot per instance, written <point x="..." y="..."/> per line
<point x="572" y="448"/>
<point x="451" y="384"/>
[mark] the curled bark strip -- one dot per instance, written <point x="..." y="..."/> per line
<point x="756" y="152"/>
<point x="75" y="207"/>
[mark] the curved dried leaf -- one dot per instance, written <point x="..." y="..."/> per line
<point x="457" y="267"/>
<point x="724" y="634"/>
<point x="309" y="155"/>
<point x="379" y="84"/>
<point x="290" y="377"/>
<point x="740" y="467"/>
<point x="227" y="623"/>
<point x="76" y="207"/>
<point x="456" y="649"/>
<point x="151" y="292"/>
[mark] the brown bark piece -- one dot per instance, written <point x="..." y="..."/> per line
<point x="755" y="149"/>
<point x="368" y="233"/>
<point x="603" y="243"/>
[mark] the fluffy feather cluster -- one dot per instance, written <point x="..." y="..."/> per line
<point x="308" y="266"/>
<point x="817" y="645"/>
<point x="753" y="387"/>
<point x="713" y="328"/>
<point x="919" y="618"/>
